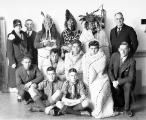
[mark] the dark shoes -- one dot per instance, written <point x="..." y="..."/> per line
<point x="129" y="113"/>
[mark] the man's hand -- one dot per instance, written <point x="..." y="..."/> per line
<point x="27" y="85"/>
<point x="115" y="84"/>
<point x="11" y="37"/>
<point x="14" y="65"/>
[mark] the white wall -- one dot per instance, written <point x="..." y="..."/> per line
<point x="133" y="11"/>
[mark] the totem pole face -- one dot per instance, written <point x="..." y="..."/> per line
<point x="70" y="24"/>
<point x="91" y="26"/>
<point x="48" y="22"/>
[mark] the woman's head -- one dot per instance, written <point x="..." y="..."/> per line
<point x="17" y="25"/>
<point x="72" y="75"/>
<point x="93" y="47"/>
<point x="76" y="47"/>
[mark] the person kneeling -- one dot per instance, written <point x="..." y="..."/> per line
<point x="52" y="90"/>
<point x="27" y="76"/>
<point x="74" y="100"/>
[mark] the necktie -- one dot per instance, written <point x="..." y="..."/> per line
<point x="118" y="31"/>
<point x="73" y="90"/>
<point x="28" y="33"/>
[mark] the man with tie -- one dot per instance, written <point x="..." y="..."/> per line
<point x="31" y="37"/>
<point x="122" y="33"/>
<point x="122" y="73"/>
<point x="74" y="96"/>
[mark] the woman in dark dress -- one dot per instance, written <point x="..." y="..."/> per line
<point x="16" y="48"/>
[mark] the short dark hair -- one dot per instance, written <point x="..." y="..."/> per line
<point x="27" y="56"/>
<point x="94" y="43"/>
<point x="51" y="69"/>
<point x="77" y="42"/>
<point x="29" y="20"/>
<point x="125" y="43"/>
<point x="120" y="14"/>
<point x="72" y="70"/>
<point x="55" y="50"/>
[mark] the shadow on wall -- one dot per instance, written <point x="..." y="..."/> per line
<point x="139" y="89"/>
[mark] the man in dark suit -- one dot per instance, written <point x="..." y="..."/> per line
<point x="122" y="33"/>
<point x="31" y="34"/>
<point x="27" y="76"/>
<point x="122" y="73"/>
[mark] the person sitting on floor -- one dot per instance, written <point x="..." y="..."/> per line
<point x="26" y="76"/>
<point x="122" y="72"/>
<point x="74" y="99"/>
<point x="52" y="92"/>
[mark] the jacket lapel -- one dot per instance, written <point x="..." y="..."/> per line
<point x="125" y="64"/>
<point x="117" y="63"/>
<point x="122" y="31"/>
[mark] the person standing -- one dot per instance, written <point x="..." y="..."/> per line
<point x="46" y="39"/>
<point x="17" y="47"/>
<point x="31" y="34"/>
<point x="123" y="32"/>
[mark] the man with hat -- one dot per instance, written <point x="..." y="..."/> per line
<point x="17" y="47"/>
<point x="27" y="76"/>
<point x="70" y="33"/>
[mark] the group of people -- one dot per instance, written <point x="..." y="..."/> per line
<point x="81" y="73"/>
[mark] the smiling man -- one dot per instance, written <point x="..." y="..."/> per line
<point x="121" y="33"/>
<point x="122" y="73"/>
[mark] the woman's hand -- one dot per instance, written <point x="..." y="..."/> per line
<point x="14" y="65"/>
<point x="11" y="37"/>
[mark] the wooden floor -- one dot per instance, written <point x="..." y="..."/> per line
<point x="10" y="109"/>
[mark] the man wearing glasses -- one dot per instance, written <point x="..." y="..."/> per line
<point x="122" y="33"/>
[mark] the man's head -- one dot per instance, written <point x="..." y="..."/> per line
<point x="17" y="25"/>
<point x="29" y="24"/>
<point x="54" y="55"/>
<point x="72" y="75"/>
<point x="76" y="47"/>
<point x="51" y="74"/>
<point x="26" y="62"/>
<point x="119" y="19"/>
<point x="124" y="49"/>
<point x="93" y="47"/>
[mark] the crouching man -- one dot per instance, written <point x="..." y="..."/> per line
<point x="74" y="100"/>
<point x="27" y="76"/>
<point x="52" y="91"/>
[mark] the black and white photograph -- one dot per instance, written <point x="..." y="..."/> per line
<point x="72" y="59"/>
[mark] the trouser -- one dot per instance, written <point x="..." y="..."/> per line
<point x="31" y="92"/>
<point x="72" y="109"/>
<point x="121" y="95"/>
<point x="42" y="66"/>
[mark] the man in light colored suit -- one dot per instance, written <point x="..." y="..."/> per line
<point x="122" y="73"/>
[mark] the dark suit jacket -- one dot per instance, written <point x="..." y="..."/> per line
<point x="35" y="76"/>
<point x="127" y="72"/>
<point x="126" y="34"/>
<point x="34" y="51"/>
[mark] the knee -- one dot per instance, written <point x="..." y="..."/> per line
<point x="60" y="104"/>
<point x="57" y="95"/>
<point x="127" y="86"/>
<point x="85" y="103"/>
